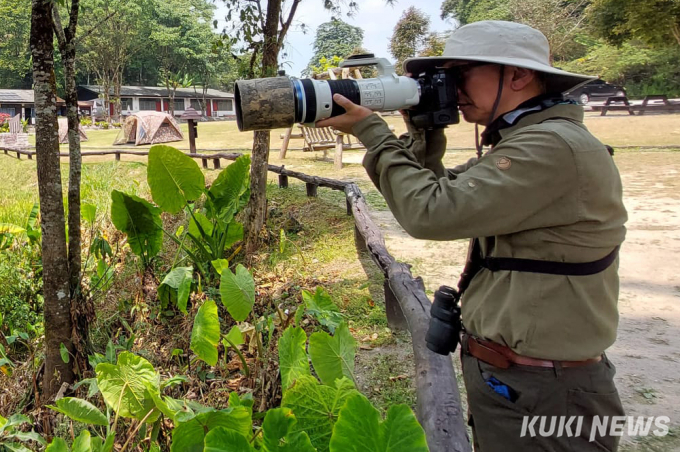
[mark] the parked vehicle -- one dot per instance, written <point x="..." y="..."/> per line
<point x="595" y="90"/>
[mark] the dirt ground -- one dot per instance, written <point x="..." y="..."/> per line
<point x="647" y="351"/>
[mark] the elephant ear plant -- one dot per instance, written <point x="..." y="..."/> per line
<point x="178" y="185"/>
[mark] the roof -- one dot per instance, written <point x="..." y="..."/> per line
<point x="161" y="91"/>
<point x="19" y="96"/>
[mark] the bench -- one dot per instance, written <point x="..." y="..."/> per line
<point x="649" y="104"/>
<point x="617" y="103"/>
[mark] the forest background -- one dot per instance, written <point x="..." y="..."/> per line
<point x="635" y="44"/>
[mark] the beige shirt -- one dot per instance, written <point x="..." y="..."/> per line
<point x="548" y="190"/>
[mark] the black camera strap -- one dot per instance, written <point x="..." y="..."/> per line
<point x="549" y="267"/>
<point x="476" y="262"/>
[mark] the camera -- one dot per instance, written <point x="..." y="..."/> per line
<point x="445" y="325"/>
<point x="430" y="98"/>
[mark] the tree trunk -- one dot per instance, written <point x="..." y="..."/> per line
<point x="54" y="255"/>
<point x="257" y="205"/>
<point x="82" y="310"/>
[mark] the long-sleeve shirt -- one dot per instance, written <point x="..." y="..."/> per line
<point x="548" y="190"/>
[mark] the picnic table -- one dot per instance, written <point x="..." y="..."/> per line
<point x="651" y="103"/>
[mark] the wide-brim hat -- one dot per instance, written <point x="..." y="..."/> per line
<point x="500" y="42"/>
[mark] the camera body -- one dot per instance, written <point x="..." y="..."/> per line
<point x="430" y="98"/>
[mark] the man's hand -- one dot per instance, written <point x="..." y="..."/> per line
<point x="345" y="122"/>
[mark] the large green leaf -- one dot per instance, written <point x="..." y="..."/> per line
<point x="125" y="386"/>
<point x="234" y="234"/>
<point x="238" y="292"/>
<point x="189" y="436"/>
<point x="229" y="186"/>
<point x="333" y="357"/>
<point x="278" y="433"/>
<point x="57" y="445"/>
<point x="203" y="221"/>
<point x="293" y="361"/>
<point x="82" y="442"/>
<point x="7" y="228"/>
<point x="140" y="220"/>
<point x="322" y="308"/>
<point x="359" y="429"/>
<point x="317" y="407"/>
<point x="174" y="178"/>
<point x="206" y="333"/>
<point x="221" y="439"/>
<point x="80" y="410"/>
<point x="176" y="287"/>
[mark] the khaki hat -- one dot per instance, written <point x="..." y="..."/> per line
<point x="500" y="42"/>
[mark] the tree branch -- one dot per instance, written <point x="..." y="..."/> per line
<point x="58" y="29"/>
<point x="286" y="26"/>
<point x="94" y="27"/>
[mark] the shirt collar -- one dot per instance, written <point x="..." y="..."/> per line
<point x="492" y="134"/>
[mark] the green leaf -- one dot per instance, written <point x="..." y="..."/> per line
<point x="234" y="234"/>
<point x="203" y="221"/>
<point x="317" y="407"/>
<point x="282" y="241"/>
<point x="80" y="410"/>
<point x="88" y="212"/>
<point x="220" y="265"/>
<point x="359" y="429"/>
<point x="92" y="385"/>
<point x="246" y="401"/>
<point x="238" y="292"/>
<point x="82" y="442"/>
<point x="176" y="287"/>
<point x="174" y="178"/>
<point x="57" y="445"/>
<point x="7" y="228"/>
<point x="126" y="385"/>
<point x="333" y="357"/>
<point x="278" y="433"/>
<point x="221" y="439"/>
<point x="173" y="381"/>
<point x="189" y="436"/>
<point x="235" y="336"/>
<point x="322" y="308"/>
<point x="16" y="447"/>
<point x="63" y="351"/>
<point x="140" y="220"/>
<point x="293" y="361"/>
<point x="32" y="219"/>
<point x="229" y="186"/>
<point x="206" y="333"/>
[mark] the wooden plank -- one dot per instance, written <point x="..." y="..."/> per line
<point x="284" y="144"/>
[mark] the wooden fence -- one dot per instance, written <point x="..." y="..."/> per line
<point x="407" y="306"/>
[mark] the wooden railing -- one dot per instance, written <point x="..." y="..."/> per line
<point x="407" y="307"/>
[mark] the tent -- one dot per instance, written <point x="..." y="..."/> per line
<point x="149" y="127"/>
<point x="63" y="131"/>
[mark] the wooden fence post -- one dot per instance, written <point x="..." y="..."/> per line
<point x="283" y="181"/>
<point x="284" y="144"/>
<point x="216" y="163"/>
<point x="117" y="156"/>
<point x="395" y="317"/>
<point x="311" y="189"/>
<point x="205" y="163"/>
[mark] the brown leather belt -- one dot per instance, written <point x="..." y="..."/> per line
<point x="503" y="357"/>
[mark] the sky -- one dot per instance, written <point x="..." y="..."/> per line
<point x="375" y="17"/>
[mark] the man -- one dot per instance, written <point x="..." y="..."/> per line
<point x="545" y="204"/>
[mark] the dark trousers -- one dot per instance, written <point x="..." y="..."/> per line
<point x="501" y="425"/>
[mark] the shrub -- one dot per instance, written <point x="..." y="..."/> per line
<point x="85" y="122"/>
<point x="21" y="301"/>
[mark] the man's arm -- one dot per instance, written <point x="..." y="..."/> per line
<point x="491" y="197"/>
